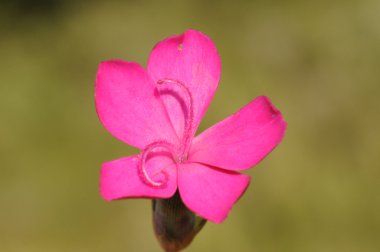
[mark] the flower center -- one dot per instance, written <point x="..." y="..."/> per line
<point x="179" y="154"/>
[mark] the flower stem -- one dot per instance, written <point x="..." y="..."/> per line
<point x="174" y="224"/>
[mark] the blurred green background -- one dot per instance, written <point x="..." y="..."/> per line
<point x="319" y="62"/>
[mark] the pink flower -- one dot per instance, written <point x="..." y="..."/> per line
<point x="158" y="111"/>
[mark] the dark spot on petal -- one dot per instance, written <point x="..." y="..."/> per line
<point x="274" y="111"/>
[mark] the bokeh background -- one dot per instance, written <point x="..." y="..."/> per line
<point x="319" y="62"/>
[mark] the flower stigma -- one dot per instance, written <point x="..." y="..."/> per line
<point x="189" y="113"/>
<point x="143" y="158"/>
<point x="178" y="155"/>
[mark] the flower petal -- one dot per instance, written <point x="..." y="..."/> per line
<point x="128" y="105"/>
<point x="121" y="179"/>
<point x="210" y="192"/>
<point x="241" y="140"/>
<point x="192" y="59"/>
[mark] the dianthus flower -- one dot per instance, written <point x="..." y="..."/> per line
<point x="158" y="111"/>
